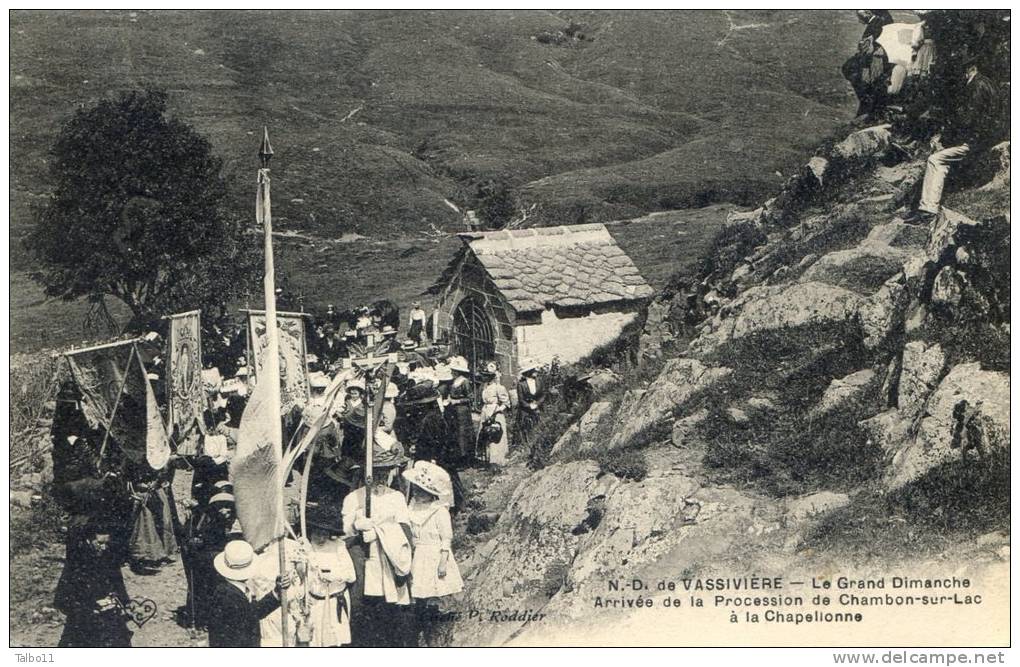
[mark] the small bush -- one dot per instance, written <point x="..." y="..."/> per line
<point x="624" y="463"/>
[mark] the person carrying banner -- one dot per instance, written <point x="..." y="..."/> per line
<point x="234" y="612"/>
<point x="380" y="547"/>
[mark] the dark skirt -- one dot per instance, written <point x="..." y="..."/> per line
<point x="526" y="422"/>
<point x="152" y="534"/>
<point x="462" y="429"/>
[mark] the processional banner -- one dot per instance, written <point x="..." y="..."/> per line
<point x="187" y="396"/>
<point x="113" y="389"/>
<point x="294" y="385"/>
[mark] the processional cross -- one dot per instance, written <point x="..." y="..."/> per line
<point x="369" y="365"/>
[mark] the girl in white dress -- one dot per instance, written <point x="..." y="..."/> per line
<point x="330" y="573"/>
<point x="434" y="570"/>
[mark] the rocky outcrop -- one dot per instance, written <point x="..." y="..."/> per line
<point x="821" y="309"/>
<point x="581" y="431"/>
<point x="533" y="540"/>
<point x="967" y="412"/>
<point x="679" y="380"/>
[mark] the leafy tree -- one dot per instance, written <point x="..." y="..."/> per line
<point x="139" y="213"/>
<point x="496" y="204"/>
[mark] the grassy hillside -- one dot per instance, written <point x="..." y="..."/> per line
<point x="377" y="117"/>
<point x="380" y="120"/>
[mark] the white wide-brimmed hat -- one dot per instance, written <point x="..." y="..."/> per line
<point x="391" y="391"/>
<point x="236" y="561"/>
<point x="443" y="373"/>
<point x="430" y="477"/>
<point x="458" y="364"/>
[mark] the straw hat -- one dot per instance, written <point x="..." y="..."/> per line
<point x="236" y="561"/>
<point x="443" y="373"/>
<point x="222" y="497"/>
<point x="430" y="477"/>
<point x="408" y="344"/>
<point x="356" y="383"/>
<point x="528" y="366"/>
<point x="388" y="331"/>
<point x="458" y="364"/>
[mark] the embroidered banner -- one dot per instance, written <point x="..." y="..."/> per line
<point x="294" y="386"/>
<point x="187" y="396"/>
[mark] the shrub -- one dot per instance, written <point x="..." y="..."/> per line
<point x="624" y="463"/>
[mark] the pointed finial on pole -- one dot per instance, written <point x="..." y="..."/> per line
<point x="266" y="149"/>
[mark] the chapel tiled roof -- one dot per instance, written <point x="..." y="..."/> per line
<point x="575" y="265"/>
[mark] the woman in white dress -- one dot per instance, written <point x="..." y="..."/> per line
<point x="434" y="570"/>
<point x="495" y="404"/>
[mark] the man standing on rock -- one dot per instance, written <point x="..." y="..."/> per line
<point x="969" y="131"/>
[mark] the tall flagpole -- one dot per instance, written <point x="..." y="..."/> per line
<point x="270" y="371"/>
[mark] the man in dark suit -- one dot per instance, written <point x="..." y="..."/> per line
<point x="970" y="129"/>
<point x="234" y="616"/>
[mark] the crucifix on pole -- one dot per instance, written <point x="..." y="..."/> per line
<point x="369" y="365"/>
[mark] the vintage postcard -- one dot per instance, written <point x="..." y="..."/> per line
<point x="414" y="328"/>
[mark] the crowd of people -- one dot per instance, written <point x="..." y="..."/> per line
<point x="948" y="99"/>
<point x="350" y="579"/>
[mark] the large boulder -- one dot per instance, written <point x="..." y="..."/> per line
<point x="581" y="431"/>
<point x="780" y="309"/>
<point x="787" y="307"/>
<point x="679" y="380"/>
<point x="968" y="410"/>
<point x="864" y="144"/>
<point x="634" y="513"/>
